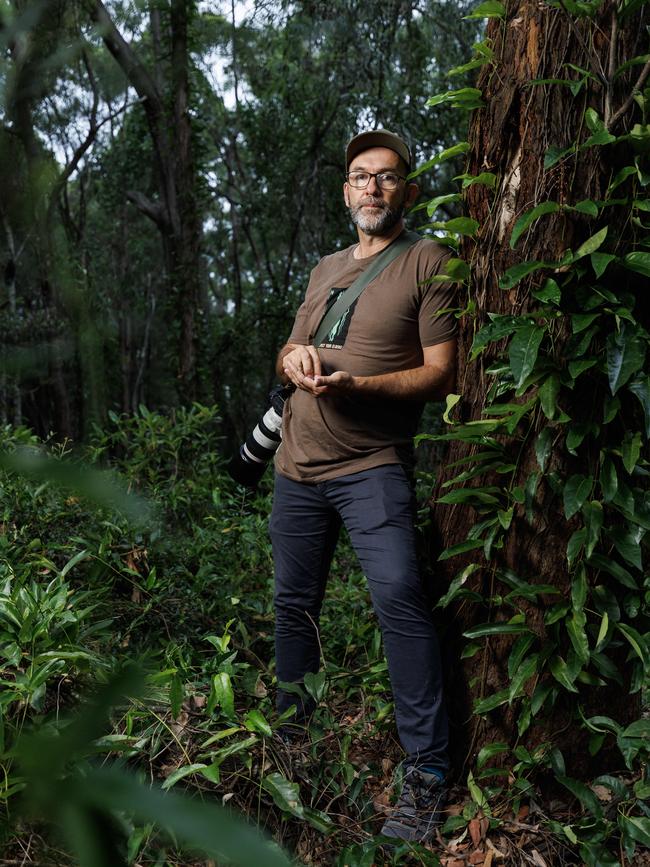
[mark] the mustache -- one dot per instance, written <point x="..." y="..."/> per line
<point x="371" y="200"/>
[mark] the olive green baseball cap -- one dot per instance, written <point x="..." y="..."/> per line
<point x="377" y="138"/>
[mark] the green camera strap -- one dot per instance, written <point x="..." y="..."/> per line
<point x="346" y="299"/>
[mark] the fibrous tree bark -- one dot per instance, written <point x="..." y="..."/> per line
<point x="517" y="137"/>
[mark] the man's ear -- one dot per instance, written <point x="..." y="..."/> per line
<point x="346" y="198"/>
<point x="412" y="192"/>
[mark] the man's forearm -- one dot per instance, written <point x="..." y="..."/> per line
<point x="419" y="383"/>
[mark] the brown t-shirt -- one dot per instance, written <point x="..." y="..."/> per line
<point x="383" y="331"/>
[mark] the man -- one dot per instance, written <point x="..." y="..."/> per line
<point x="346" y="456"/>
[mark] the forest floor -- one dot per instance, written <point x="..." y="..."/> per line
<point x="190" y="601"/>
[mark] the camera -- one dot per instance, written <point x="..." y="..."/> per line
<point x="247" y="466"/>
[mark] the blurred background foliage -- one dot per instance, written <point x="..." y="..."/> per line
<point x="176" y="172"/>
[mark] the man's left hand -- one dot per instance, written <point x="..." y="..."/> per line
<point x="340" y="382"/>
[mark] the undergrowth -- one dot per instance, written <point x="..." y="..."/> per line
<point x="189" y="595"/>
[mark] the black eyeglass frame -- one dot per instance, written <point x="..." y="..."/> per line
<point x="376" y="175"/>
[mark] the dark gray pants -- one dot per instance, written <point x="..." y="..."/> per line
<point x="376" y="507"/>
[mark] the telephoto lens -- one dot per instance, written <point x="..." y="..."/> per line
<point x="247" y="466"/>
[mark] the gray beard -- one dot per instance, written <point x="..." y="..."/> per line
<point x="379" y="223"/>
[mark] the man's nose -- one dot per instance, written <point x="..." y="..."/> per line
<point x="373" y="187"/>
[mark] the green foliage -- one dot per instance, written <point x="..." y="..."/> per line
<point x="191" y="595"/>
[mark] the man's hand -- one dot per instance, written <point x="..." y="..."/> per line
<point x="301" y="364"/>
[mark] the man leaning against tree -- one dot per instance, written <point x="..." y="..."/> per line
<point x="347" y="454"/>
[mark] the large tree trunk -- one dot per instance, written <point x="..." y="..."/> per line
<point x="509" y="137"/>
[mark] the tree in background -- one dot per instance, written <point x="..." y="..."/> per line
<point x="202" y="177"/>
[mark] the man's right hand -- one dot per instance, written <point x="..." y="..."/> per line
<point x="301" y="364"/>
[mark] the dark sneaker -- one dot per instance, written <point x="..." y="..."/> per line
<point x="417" y="813"/>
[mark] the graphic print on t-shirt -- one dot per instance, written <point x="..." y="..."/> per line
<point x="335" y="337"/>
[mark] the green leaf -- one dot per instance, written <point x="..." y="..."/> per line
<point x="576" y="629"/>
<point x="576" y="491"/>
<point x="467" y="67"/>
<point x="223" y="695"/>
<point x="524" y="349"/>
<point x="180" y="773"/>
<point x="593" y="121"/>
<point x="255" y="721"/>
<point x="529" y="217"/>
<point x="471" y="495"/>
<point x="458" y="225"/>
<point x="456" y="585"/>
<point x="631" y="450"/>
<point x="486" y="753"/>
<point x="638" y="261"/>
<point x="579" y="589"/>
<point x="318" y="820"/>
<point x="591" y="244"/>
<point x="620" y="177"/>
<point x="580" y="321"/>
<point x="611" y="408"/>
<point x="583" y="793"/>
<point x="641" y="388"/>
<point x="176" y="695"/>
<point x="517" y="272"/>
<point x="461" y="548"/>
<point x="488" y="179"/>
<point x="485" y="705"/>
<point x="205" y="827"/>
<point x="606" y="564"/>
<point x="636" y="827"/>
<point x="550" y="292"/>
<point x="600" y="261"/>
<point x="635" y="61"/>
<point x="560" y="671"/>
<point x="501" y="628"/>
<point x="487" y="9"/>
<point x="523" y="674"/>
<point x="608" y="479"/>
<point x="315" y="684"/>
<point x="540" y="694"/>
<point x="637" y="641"/>
<point x="548" y="394"/>
<point x="574" y="545"/>
<point x="625" y="355"/>
<point x="602" y="632"/>
<point x="587" y="207"/>
<point x="593" y="515"/>
<point x="285" y="794"/>
<point x="543" y="446"/>
<point x="518" y="652"/>
<point x="505" y="517"/>
<point x="433" y="205"/>
<point x="554" y="154"/>
<point x="578" y="367"/>
<point x="447" y="153"/>
<point x="450" y="402"/>
<point x="626" y="543"/>
<point x="499" y="327"/>
<point x="600" y="138"/>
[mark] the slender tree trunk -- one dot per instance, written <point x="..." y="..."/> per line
<point x="509" y="137"/>
<point x="176" y="212"/>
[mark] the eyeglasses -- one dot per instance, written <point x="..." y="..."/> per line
<point x="385" y="180"/>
